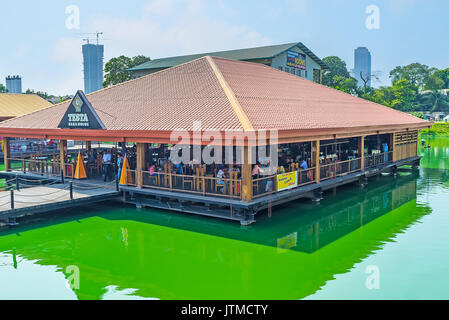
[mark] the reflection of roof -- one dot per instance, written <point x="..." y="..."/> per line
<point x="15" y="105"/>
<point x="266" y="52"/>
<point x="225" y="95"/>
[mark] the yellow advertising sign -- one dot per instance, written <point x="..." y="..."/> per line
<point x="287" y="181"/>
<point x="288" y="242"/>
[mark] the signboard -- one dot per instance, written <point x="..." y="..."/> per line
<point x="287" y="181"/>
<point x="288" y="242"/>
<point x="296" y="60"/>
<point x="81" y="115"/>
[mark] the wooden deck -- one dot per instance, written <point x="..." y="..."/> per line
<point x="31" y="200"/>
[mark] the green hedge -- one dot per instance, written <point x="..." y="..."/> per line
<point x="439" y="129"/>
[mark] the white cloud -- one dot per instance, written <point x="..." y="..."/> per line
<point x="23" y="50"/>
<point x="159" y="7"/>
<point x="166" y="28"/>
<point x="299" y="6"/>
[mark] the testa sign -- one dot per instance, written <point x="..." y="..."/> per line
<point x="81" y="115"/>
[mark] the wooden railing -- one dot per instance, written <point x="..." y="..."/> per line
<point x="269" y="185"/>
<point x="202" y="185"/>
<point x="338" y="169"/>
<point x="45" y="167"/>
<point x="375" y="160"/>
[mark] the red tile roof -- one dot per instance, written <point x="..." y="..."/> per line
<point x="269" y="99"/>
<point x="278" y="100"/>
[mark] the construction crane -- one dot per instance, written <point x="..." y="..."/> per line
<point x="97" y="35"/>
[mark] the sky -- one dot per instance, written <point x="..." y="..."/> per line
<point x="42" y="43"/>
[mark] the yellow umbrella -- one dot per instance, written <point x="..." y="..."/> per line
<point x="126" y="173"/>
<point x="80" y="171"/>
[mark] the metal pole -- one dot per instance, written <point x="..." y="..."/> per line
<point x="117" y="186"/>
<point x="62" y="176"/>
<point x="71" y="190"/>
<point x="17" y="183"/>
<point x="12" y="199"/>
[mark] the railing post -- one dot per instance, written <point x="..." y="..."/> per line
<point x="62" y="176"/>
<point x="117" y="184"/>
<point x="71" y="190"/>
<point x="12" y="199"/>
<point x="17" y="183"/>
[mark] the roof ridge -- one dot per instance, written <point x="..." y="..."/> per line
<point x="236" y="106"/>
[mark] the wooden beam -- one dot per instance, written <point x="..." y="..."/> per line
<point x="362" y="151"/>
<point x="7" y="153"/>
<point x="247" y="179"/>
<point x="88" y="145"/>
<point x="140" y="163"/>
<point x="63" y="156"/>
<point x="316" y="159"/>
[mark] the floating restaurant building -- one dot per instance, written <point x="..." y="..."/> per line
<point x="321" y="138"/>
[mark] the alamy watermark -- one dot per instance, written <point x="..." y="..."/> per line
<point x="73" y="277"/>
<point x="73" y="21"/>
<point x="373" y="20"/>
<point x="373" y="280"/>
<point x="215" y="147"/>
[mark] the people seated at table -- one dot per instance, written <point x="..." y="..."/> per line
<point x="153" y="170"/>
<point x="256" y="171"/>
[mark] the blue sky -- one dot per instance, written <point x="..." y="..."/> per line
<point x="37" y="44"/>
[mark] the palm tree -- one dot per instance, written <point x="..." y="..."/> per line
<point x="433" y="101"/>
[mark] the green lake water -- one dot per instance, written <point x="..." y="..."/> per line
<point x="398" y="226"/>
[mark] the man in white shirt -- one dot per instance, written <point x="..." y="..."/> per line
<point x="107" y="162"/>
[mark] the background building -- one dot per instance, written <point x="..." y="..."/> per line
<point x="93" y="67"/>
<point x="362" y="66"/>
<point x="294" y="58"/>
<point x="14" y="84"/>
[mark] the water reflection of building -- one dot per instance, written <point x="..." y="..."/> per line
<point x="189" y="258"/>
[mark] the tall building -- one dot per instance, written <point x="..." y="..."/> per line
<point x="93" y="67"/>
<point x="14" y="84"/>
<point x="362" y="66"/>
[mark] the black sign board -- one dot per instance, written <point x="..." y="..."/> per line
<point x="81" y="115"/>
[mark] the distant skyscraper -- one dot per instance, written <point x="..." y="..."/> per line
<point x="14" y="84"/>
<point x="93" y="67"/>
<point x="362" y="65"/>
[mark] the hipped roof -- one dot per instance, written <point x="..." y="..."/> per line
<point x="223" y="95"/>
<point x="14" y="105"/>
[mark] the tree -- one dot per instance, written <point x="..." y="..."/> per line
<point x="43" y="95"/>
<point x="348" y="85"/>
<point x="383" y="95"/>
<point x="417" y="74"/>
<point x="116" y="69"/>
<point x="433" y="101"/>
<point x="337" y="67"/>
<point x="405" y="95"/>
<point x="418" y="114"/>
<point x="438" y="80"/>
<point x="3" y="89"/>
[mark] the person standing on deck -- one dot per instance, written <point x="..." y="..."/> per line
<point x="119" y="166"/>
<point x="107" y="161"/>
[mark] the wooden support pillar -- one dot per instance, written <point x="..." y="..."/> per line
<point x="247" y="179"/>
<point x="393" y="146"/>
<point x="7" y="153"/>
<point x="63" y="155"/>
<point x="88" y="145"/>
<point x="140" y="163"/>
<point x="362" y="151"/>
<point x="316" y="146"/>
